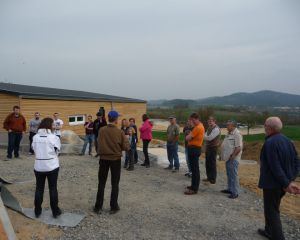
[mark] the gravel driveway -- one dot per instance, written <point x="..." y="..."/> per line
<point x="152" y="203"/>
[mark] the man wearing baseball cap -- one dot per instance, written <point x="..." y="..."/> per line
<point x="112" y="141"/>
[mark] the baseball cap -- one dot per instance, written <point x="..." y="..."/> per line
<point x="113" y="114"/>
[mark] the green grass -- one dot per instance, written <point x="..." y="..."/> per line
<point x="292" y="132"/>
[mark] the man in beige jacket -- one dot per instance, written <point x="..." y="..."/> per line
<point x="112" y="141"/>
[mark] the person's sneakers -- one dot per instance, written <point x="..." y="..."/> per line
<point x="37" y="212"/>
<point x="226" y="191"/>
<point x="125" y="166"/>
<point x="190" y="192"/>
<point x="205" y="180"/>
<point x="186" y="174"/>
<point x="97" y="210"/>
<point x="212" y="182"/>
<point x="130" y="169"/>
<point x="114" y="210"/>
<point x="233" y="196"/>
<point x="97" y="155"/>
<point x="168" y="168"/>
<point x="189" y="187"/>
<point x="57" y="213"/>
<point x="176" y="170"/>
<point x="264" y="233"/>
<point x="143" y="164"/>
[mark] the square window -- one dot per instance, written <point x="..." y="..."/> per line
<point x="76" y="120"/>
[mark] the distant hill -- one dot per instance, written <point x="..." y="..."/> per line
<point x="257" y="99"/>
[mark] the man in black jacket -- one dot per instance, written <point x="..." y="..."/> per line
<point x="280" y="167"/>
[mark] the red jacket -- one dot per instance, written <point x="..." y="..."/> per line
<point x="16" y="124"/>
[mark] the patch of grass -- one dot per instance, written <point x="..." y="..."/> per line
<point x="292" y="132"/>
<point x="162" y="135"/>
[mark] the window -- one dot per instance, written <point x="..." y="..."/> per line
<point x="76" y="120"/>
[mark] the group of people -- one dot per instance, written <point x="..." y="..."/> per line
<point x="279" y="160"/>
<point x="195" y="137"/>
<point x="15" y="124"/>
<point x="279" y="163"/>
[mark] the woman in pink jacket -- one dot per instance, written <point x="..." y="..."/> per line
<point x="146" y="136"/>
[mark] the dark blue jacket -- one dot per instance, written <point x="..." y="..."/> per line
<point x="279" y="163"/>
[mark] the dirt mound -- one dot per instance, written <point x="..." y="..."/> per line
<point x="251" y="150"/>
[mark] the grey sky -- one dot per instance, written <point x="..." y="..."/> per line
<point x="152" y="49"/>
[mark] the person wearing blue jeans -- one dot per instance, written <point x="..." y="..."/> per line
<point x="14" y="140"/>
<point x="231" y="152"/>
<point x="89" y="139"/>
<point x="172" y="145"/>
<point x="89" y="135"/>
<point x="232" y="177"/>
<point x="172" y="152"/>
<point x="15" y="124"/>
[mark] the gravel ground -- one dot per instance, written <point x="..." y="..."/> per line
<point x="152" y="203"/>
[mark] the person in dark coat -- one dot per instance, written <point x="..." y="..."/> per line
<point x="98" y="123"/>
<point x="133" y="125"/>
<point x="132" y="150"/>
<point x="279" y="168"/>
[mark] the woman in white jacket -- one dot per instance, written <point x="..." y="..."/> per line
<point x="46" y="147"/>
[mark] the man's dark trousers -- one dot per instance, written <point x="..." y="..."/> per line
<point x="115" y="169"/>
<point x="14" y="140"/>
<point x="272" y="199"/>
<point x="211" y="163"/>
<point x="31" y="135"/>
<point x="194" y="154"/>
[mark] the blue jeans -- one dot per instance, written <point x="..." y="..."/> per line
<point x="187" y="160"/>
<point x="89" y="138"/>
<point x="14" y="140"/>
<point x="172" y="150"/>
<point x="232" y="176"/>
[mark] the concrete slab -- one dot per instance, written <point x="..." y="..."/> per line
<point x="65" y="220"/>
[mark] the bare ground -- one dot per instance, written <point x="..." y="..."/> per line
<point x="152" y="205"/>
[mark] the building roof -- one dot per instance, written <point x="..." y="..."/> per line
<point x="56" y="93"/>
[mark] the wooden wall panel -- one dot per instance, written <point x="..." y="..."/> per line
<point x="6" y="104"/>
<point x="135" y="110"/>
<point x="69" y="108"/>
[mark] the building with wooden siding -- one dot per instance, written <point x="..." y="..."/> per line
<point x="73" y="106"/>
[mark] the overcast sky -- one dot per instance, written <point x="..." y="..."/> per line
<point x="152" y="49"/>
